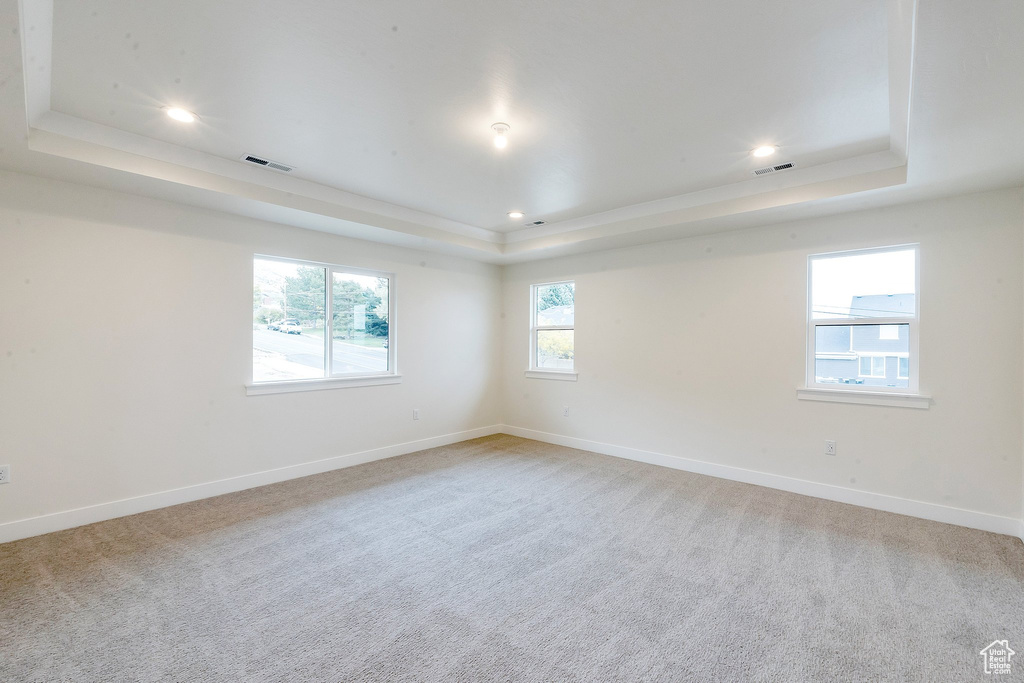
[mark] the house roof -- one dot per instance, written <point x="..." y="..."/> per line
<point x="872" y="305"/>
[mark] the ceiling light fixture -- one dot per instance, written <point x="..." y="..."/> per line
<point x="179" y="114"/>
<point x="764" y="151"/>
<point x="500" y="135"/>
<point x="516" y="214"/>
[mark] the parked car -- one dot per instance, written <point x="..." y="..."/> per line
<point x="276" y="324"/>
<point x="290" y="327"/>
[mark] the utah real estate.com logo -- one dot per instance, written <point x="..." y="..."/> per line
<point x="997" y="657"/>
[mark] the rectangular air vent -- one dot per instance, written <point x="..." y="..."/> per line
<point x="533" y="224"/>
<point x="772" y="169"/>
<point x="259" y="161"/>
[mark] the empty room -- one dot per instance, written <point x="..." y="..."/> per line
<point x="290" y="384"/>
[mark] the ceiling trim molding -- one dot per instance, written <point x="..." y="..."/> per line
<point x="59" y="134"/>
<point x="36" y="28"/>
<point x="902" y="37"/>
<point x="73" y="138"/>
<point x="668" y="211"/>
<point x="683" y="217"/>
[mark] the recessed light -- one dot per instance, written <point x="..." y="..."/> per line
<point x="179" y="114"/>
<point x="500" y="134"/>
<point x="516" y="214"/>
<point x="764" y="151"/>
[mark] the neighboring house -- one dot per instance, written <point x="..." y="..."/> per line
<point x="872" y="305"/>
<point x="871" y="355"/>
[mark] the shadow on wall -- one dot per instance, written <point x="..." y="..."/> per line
<point x="79" y="203"/>
<point x="709" y="240"/>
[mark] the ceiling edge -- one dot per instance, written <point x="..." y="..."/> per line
<point x="69" y="137"/>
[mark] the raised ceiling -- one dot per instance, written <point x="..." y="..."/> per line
<point x="610" y="104"/>
<point x="628" y="122"/>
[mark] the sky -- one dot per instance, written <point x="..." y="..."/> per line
<point x="268" y="270"/>
<point x="836" y="280"/>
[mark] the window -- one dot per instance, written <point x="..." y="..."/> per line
<point x="302" y="334"/>
<point x="890" y="332"/>
<point x="872" y="366"/>
<point x="552" y="319"/>
<point x="862" y="320"/>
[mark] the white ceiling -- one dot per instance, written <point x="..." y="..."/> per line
<point x="629" y="123"/>
<point x="610" y="103"/>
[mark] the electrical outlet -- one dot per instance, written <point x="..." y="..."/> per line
<point x="5" y="474"/>
<point x="415" y="413"/>
<point x="830" y="448"/>
<point x="565" y="411"/>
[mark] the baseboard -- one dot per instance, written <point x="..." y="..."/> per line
<point x="877" y="501"/>
<point x="67" y="519"/>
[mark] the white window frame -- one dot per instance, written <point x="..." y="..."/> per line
<point x="332" y="380"/>
<point x="549" y="373"/>
<point x="909" y="396"/>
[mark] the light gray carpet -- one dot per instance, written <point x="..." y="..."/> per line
<point x="507" y="559"/>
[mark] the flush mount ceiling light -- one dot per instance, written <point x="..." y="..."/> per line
<point x="179" y="114"/>
<point x="764" y="151"/>
<point x="516" y="214"/>
<point x="500" y="134"/>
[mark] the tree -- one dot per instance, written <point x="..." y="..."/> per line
<point x="381" y="309"/>
<point x="351" y="296"/>
<point x="304" y="294"/>
<point x="556" y="295"/>
<point x="264" y="314"/>
<point x="347" y="295"/>
<point x="556" y="344"/>
<point x="376" y="325"/>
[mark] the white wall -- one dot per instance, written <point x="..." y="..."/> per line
<point x="125" y="345"/>
<point x="695" y="348"/>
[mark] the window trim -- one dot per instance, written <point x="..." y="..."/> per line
<point x="912" y="322"/>
<point x="330" y="379"/>
<point x="533" y="371"/>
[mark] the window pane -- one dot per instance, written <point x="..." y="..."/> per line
<point x="871" y="285"/>
<point x="359" y="312"/>
<point x="855" y="354"/>
<point x="288" y="303"/>
<point x="555" y="349"/>
<point x="555" y="304"/>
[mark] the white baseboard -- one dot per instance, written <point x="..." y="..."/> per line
<point x="67" y="519"/>
<point x="877" y="501"/>
<point x="34" y="526"/>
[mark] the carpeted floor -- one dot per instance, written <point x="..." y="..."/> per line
<point x="508" y="559"/>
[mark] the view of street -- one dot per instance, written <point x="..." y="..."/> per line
<point x="277" y="355"/>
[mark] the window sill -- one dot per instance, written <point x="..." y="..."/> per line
<point x="874" y="398"/>
<point x="561" y="375"/>
<point x="288" y="386"/>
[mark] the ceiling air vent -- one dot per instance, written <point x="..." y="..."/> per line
<point x="772" y="169"/>
<point x="259" y="161"/>
<point x="533" y="224"/>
